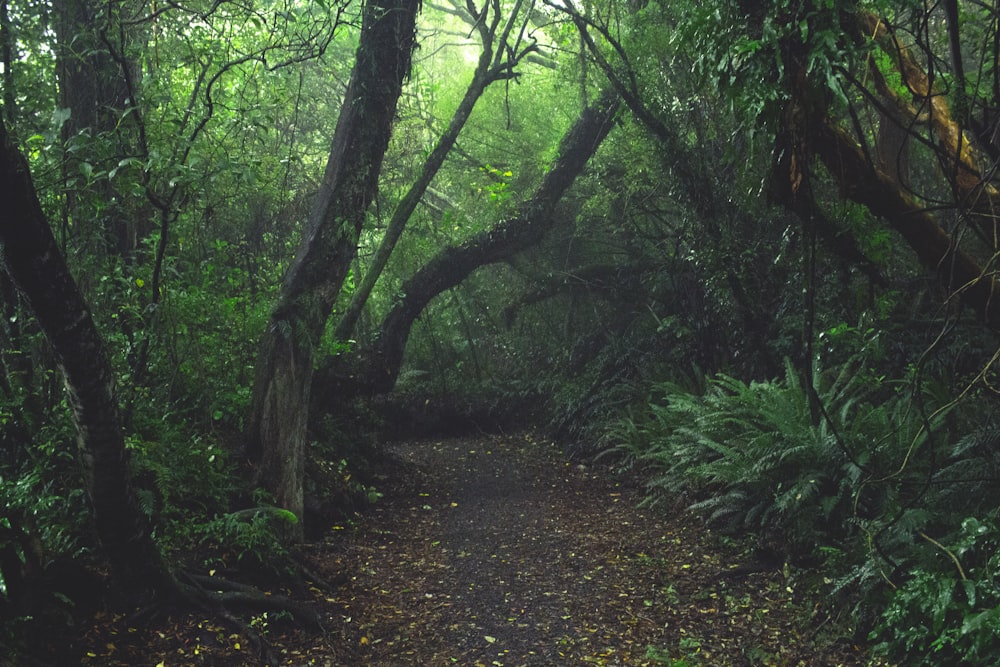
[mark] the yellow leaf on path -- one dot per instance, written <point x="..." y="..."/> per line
<point x="491" y="640"/>
<point x="363" y="641"/>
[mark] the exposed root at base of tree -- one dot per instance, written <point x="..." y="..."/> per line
<point x="223" y="597"/>
<point x="234" y="595"/>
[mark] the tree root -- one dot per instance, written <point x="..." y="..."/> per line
<point x="221" y="598"/>
<point x="320" y="582"/>
<point x="225" y="595"/>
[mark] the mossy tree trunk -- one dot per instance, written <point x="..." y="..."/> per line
<point x="276" y="437"/>
<point x="884" y="189"/>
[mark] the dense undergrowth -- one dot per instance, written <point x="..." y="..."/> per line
<point x="184" y="406"/>
<point x="883" y="489"/>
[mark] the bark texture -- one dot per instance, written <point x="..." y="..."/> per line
<point x="276" y="437"/>
<point x="34" y="262"/>
<point x="93" y="86"/>
<point x="959" y="272"/>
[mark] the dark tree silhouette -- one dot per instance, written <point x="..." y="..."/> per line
<point x="32" y="259"/>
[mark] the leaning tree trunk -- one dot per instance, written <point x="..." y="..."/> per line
<point x="453" y="264"/>
<point x="34" y="262"/>
<point x="959" y="272"/>
<point x="883" y="192"/>
<point x="276" y="437"/>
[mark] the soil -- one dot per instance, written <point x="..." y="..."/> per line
<point x="497" y="550"/>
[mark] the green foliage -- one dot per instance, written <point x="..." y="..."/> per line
<point x="182" y="474"/>
<point x="755" y="450"/>
<point x="255" y="536"/>
<point x="497" y="185"/>
<point x="57" y="515"/>
<point x="42" y="495"/>
<point x="948" y="610"/>
<point x="216" y="168"/>
<point x="342" y="459"/>
<point x="207" y="339"/>
<point x="747" y="57"/>
<point x="661" y="657"/>
<point x="862" y="491"/>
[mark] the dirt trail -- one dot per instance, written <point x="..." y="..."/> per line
<point x="496" y="551"/>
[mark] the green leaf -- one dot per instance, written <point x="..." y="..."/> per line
<point x="976" y="622"/>
<point x="286" y="515"/>
<point x="970" y="591"/>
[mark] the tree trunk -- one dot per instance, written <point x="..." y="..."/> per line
<point x="7" y="49"/>
<point x="857" y="178"/>
<point x="276" y="437"/>
<point x="453" y="264"/>
<point x="93" y="87"/>
<point x="880" y="184"/>
<point x="961" y="161"/>
<point x="35" y="264"/>
<point x="493" y="66"/>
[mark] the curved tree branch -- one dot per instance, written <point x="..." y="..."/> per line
<point x="453" y="264"/>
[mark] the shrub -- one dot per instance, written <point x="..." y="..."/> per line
<point x="255" y="536"/>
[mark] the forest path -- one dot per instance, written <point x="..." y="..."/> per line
<point x="497" y="551"/>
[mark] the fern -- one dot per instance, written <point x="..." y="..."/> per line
<point x="254" y="535"/>
<point x="755" y="449"/>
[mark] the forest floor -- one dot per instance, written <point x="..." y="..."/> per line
<point x="496" y="550"/>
